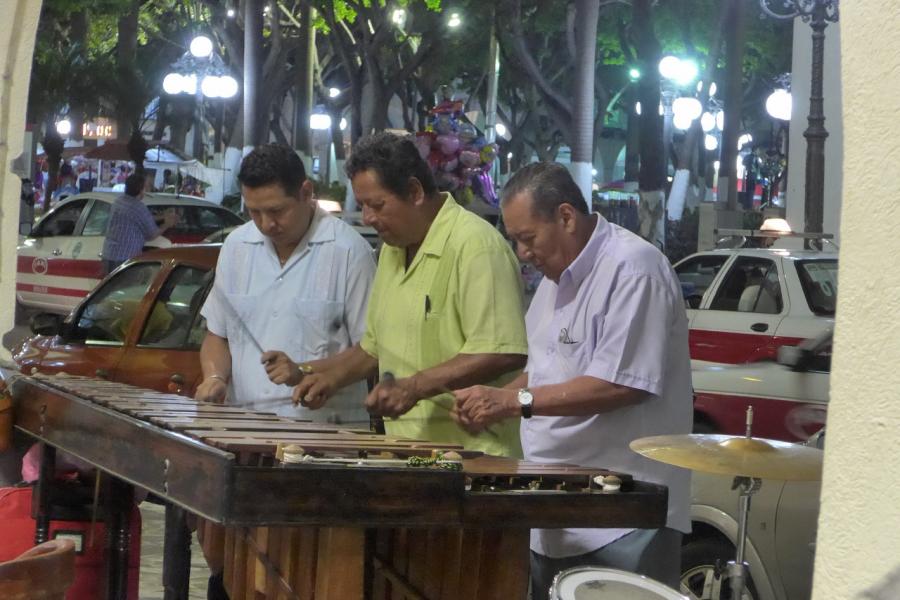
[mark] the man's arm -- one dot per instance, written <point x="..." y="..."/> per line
<point x="328" y="375"/>
<point x="215" y="362"/>
<point x="462" y="370"/>
<point x="480" y="406"/>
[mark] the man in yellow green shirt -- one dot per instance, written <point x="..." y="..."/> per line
<point x="445" y="310"/>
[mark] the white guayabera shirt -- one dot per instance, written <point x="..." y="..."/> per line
<point x="312" y="307"/>
<point x="617" y="314"/>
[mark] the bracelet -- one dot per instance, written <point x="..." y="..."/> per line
<point x="219" y="377"/>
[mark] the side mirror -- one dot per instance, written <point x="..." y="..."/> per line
<point x="46" y="324"/>
<point x="25" y="229"/>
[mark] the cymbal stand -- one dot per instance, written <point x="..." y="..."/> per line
<point x="738" y="571"/>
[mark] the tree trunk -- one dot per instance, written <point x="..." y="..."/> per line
<point x="303" y="88"/>
<point x="734" y="45"/>
<point x="587" y="14"/>
<point x="651" y="178"/>
<point x="127" y="114"/>
<point x="252" y="49"/>
<point x="78" y="35"/>
<point x="678" y="193"/>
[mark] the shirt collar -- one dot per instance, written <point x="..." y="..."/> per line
<point x="581" y="267"/>
<point x="440" y="229"/>
<point x="321" y="230"/>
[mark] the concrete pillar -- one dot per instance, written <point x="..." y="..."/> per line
<point x="17" y="31"/>
<point x="858" y="549"/>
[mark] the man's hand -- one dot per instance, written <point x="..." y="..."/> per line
<point x="281" y="369"/>
<point x="314" y="390"/>
<point x="392" y="397"/>
<point x="211" y="389"/>
<point x="478" y="407"/>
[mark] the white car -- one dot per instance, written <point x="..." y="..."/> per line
<point x="744" y="303"/>
<point x="59" y="260"/>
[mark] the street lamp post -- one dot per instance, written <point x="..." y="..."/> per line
<point x="818" y="13"/>
<point x="200" y="72"/>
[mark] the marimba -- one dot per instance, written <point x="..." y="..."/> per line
<point x="355" y="519"/>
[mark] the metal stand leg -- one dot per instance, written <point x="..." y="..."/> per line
<point x="737" y="570"/>
<point x="176" y="554"/>
<point x="41" y="500"/>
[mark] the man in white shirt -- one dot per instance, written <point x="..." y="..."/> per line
<point x="291" y="286"/>
<point x="607" y="363"/>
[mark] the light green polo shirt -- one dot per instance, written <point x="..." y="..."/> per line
<point x="462" y="294"/>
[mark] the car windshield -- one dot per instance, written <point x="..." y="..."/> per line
<point x="819" y="279"/>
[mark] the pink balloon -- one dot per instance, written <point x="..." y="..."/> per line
<point x="469" y="158"/>
<point x="448" y="144"/>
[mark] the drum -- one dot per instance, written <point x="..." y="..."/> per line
<point x="597" y="583"/>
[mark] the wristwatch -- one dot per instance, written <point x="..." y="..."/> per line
<point x="526" y="399"/>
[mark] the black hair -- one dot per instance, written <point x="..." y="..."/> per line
<point x="134" y="184"/>
<point x="394" y="159"/>
<point x="273" y="163"/>
<point x="549" y="185"/>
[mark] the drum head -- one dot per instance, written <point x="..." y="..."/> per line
<point x="596" y="583"/>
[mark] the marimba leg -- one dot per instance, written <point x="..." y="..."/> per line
<point x="120" y="499"/>
<point x="176" y="554"/>
<point x="41" y="499"/>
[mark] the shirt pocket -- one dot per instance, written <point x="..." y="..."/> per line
<point x="321" y="328"/>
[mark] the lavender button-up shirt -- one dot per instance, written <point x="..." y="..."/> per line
<point x="618" y="315"/>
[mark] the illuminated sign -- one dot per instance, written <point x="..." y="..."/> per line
<point x="99" y="129"/>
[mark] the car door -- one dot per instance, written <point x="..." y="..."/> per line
<point x="95" y="337"/>
<point x="47" y="277"/>
<point x="166" y="356"/>
<point x="739" y="322"/>
<point x="795" y="536"/>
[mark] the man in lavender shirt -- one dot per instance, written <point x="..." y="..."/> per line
<point x="607" y="364"/>
<point x="131" y="225"/>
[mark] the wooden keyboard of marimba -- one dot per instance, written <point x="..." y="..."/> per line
<point x="299" y="530"/>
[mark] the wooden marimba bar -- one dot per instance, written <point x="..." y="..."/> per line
<point x="355" y="521"/>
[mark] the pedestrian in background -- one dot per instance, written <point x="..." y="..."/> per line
<point x="131" y="225"/>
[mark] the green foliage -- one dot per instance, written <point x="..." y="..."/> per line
<point x="331" y="191"/>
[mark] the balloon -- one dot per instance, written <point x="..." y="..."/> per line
<point x="469" y="158"/>
<point x="450" y="165"/>
<point x="488" y="154"/>
<point x="448" y="144"/>
<point x="470" y="173"/>
<point x="487" y="189"/>
<point x="465" y="196"/>
<point x="442" y="124"/>
<point x="448" y="181"/>
<point x="467" y="133"/>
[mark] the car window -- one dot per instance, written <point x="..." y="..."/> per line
<point x="175" y="320"/>
<point x="697" y="274"/>
<point x="107" y="316"/>
<point x="197" y="222"/>
<point x="751" y="285"/>
<point x="97" y="219"/>
<point x="820" y="284"/>
<point x="62" y="220"/>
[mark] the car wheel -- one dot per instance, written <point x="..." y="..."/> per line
<point x="699" y="581"/>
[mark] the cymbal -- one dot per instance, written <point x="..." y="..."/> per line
<point x="734" y="455"/>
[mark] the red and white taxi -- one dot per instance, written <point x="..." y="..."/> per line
<point x="743" y="303"/>
<point x="59" y="261"/>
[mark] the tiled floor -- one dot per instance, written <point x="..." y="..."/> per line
<point x="153" y="517"/>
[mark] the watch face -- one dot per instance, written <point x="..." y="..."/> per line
<point x="525" y="397"/>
